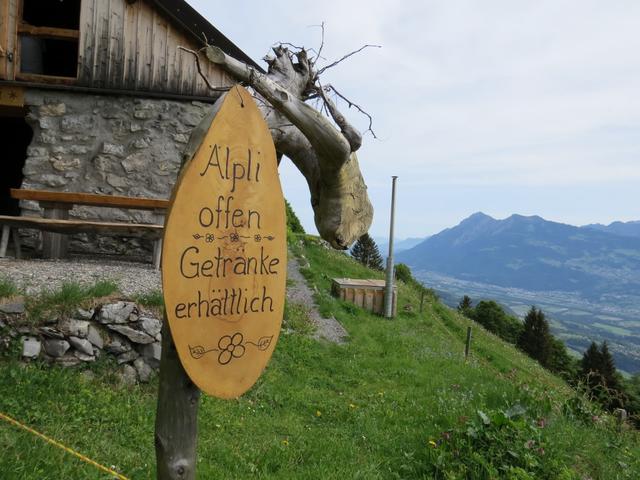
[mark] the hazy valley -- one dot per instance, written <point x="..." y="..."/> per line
<point x="586" y="279"/>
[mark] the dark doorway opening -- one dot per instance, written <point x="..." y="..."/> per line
<point x="15" y="137"/>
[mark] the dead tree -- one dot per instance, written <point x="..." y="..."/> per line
<point x="323" y="150"/>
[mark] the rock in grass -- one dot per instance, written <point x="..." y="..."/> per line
<point x="82" y="345"/>
<point x="84" y="314"/>
<point x="151" y="353"/>
<point x="67" y="360"/>
<point x="12" y="308"/>
<point x="144" y="370"/>
<point x="128" y="375"/>
<point x="150" y="325"/>
<point x="55" y="347"/>
<point x="51" y="332"/>
<point x="31" y="347"/>
<point x="83" y="356"/>
<point x="94" y="335"/>
<point x="116" y="344"/>
<point x="132" y="334"/>
<point x="127" y="357"/>
<point x="72" y="327"/>
<point x="116" y="312"/>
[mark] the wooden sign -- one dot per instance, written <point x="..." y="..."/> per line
<point x="11" y="96"/>
<point x="224" y="254"/>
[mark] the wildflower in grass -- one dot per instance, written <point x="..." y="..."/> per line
<point x="318" y="413"/>
<point x="381" y="394"/>
<point x="352" y="405"/>
<point x="529" y="444"/>
<point x="285" y="442"/>
<point x="542" y="422"/>
<point x="446" y="435"/>
<point x="432" y="443"/>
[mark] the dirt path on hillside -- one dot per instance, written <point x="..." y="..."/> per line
<point x="299" y="292"/>
<point x="132" y="278"/>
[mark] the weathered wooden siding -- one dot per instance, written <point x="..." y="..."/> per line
<point x="134" y="47"/>
<point x="8" y="12"/>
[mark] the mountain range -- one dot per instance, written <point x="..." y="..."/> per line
<point x="534" y="254"/>
<point x="626" y="229"/>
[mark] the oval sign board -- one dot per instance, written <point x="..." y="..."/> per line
<point x="224" y="251"/>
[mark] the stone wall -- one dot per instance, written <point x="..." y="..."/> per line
<point x="122" y="331"/>
<point x="107" y="145"/>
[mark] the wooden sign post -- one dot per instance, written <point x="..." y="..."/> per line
<point x="223" y="261"/>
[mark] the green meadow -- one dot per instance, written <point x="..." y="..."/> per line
<point x="397" y="401"/>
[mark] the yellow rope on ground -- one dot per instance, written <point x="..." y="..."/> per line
<point x="59" y="445"/>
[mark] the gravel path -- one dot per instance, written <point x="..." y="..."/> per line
<point x="299" y="292"/>
<point x="134" y="278"/>
<point x="35" y="275"/>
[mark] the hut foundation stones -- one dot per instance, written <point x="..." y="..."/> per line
<point x="106" y="144"/>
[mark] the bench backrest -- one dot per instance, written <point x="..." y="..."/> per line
<point x="92" y="199"/>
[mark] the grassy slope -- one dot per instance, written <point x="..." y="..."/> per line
<point x="367" y="409"/>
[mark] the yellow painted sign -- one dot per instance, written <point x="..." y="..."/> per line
<point x="11" y="96"/>
<point x="224" y="254"/>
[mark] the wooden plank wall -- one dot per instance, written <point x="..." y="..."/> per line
<point x="8" y="25"/>
<point x="134" y="47"/>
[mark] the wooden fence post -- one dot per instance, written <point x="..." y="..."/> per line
<point x="467" y="346"/>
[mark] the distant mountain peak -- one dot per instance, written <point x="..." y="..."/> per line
<point x="477" y="217"/>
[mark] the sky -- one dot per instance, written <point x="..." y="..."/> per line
<point x="499" y="106"/>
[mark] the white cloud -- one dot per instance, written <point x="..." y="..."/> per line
<point x="465" y="93"/>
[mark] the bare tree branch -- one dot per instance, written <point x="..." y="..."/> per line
<point x="345" y="57"/>
<point x="319" y="56"/>
<point x="351" y="104"/>
<point x="202" y="75"/>
<point x="350" y="133"/>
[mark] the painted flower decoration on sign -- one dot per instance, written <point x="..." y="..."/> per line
<point x="230" y="347"/>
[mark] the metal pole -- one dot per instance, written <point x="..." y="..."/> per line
<point x="467" y="345"/>
<point x="388" y="291"/>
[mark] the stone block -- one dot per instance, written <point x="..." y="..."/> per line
<point x="31" y="347"/>
<point x="55" y="347"/>
<point x="77" y="123"/>
<point x="95" y="336"/>
<point x="132" y="334"/>
<point x="51" y="180"/>
<point x="73" y="327"/>
<point x="66" y="165"/>
<point x="53" y="109"/>
<point x="152" y="353"/>
<point x="116" y="312"/>
<point x="150" y="325"/>
<point x="112" y="149"/>
<point x="82" y="345"/>
<point x="128" y="375"/>
<point x="137" y="162"/>
<point x="127" y="357"/>
<point x="14" y="308"/>
<point x="144" y="371"/>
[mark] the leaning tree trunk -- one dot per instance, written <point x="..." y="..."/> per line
<point x="324" y="154"/>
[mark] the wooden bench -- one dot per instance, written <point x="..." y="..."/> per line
<point x="55" y="223"/>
